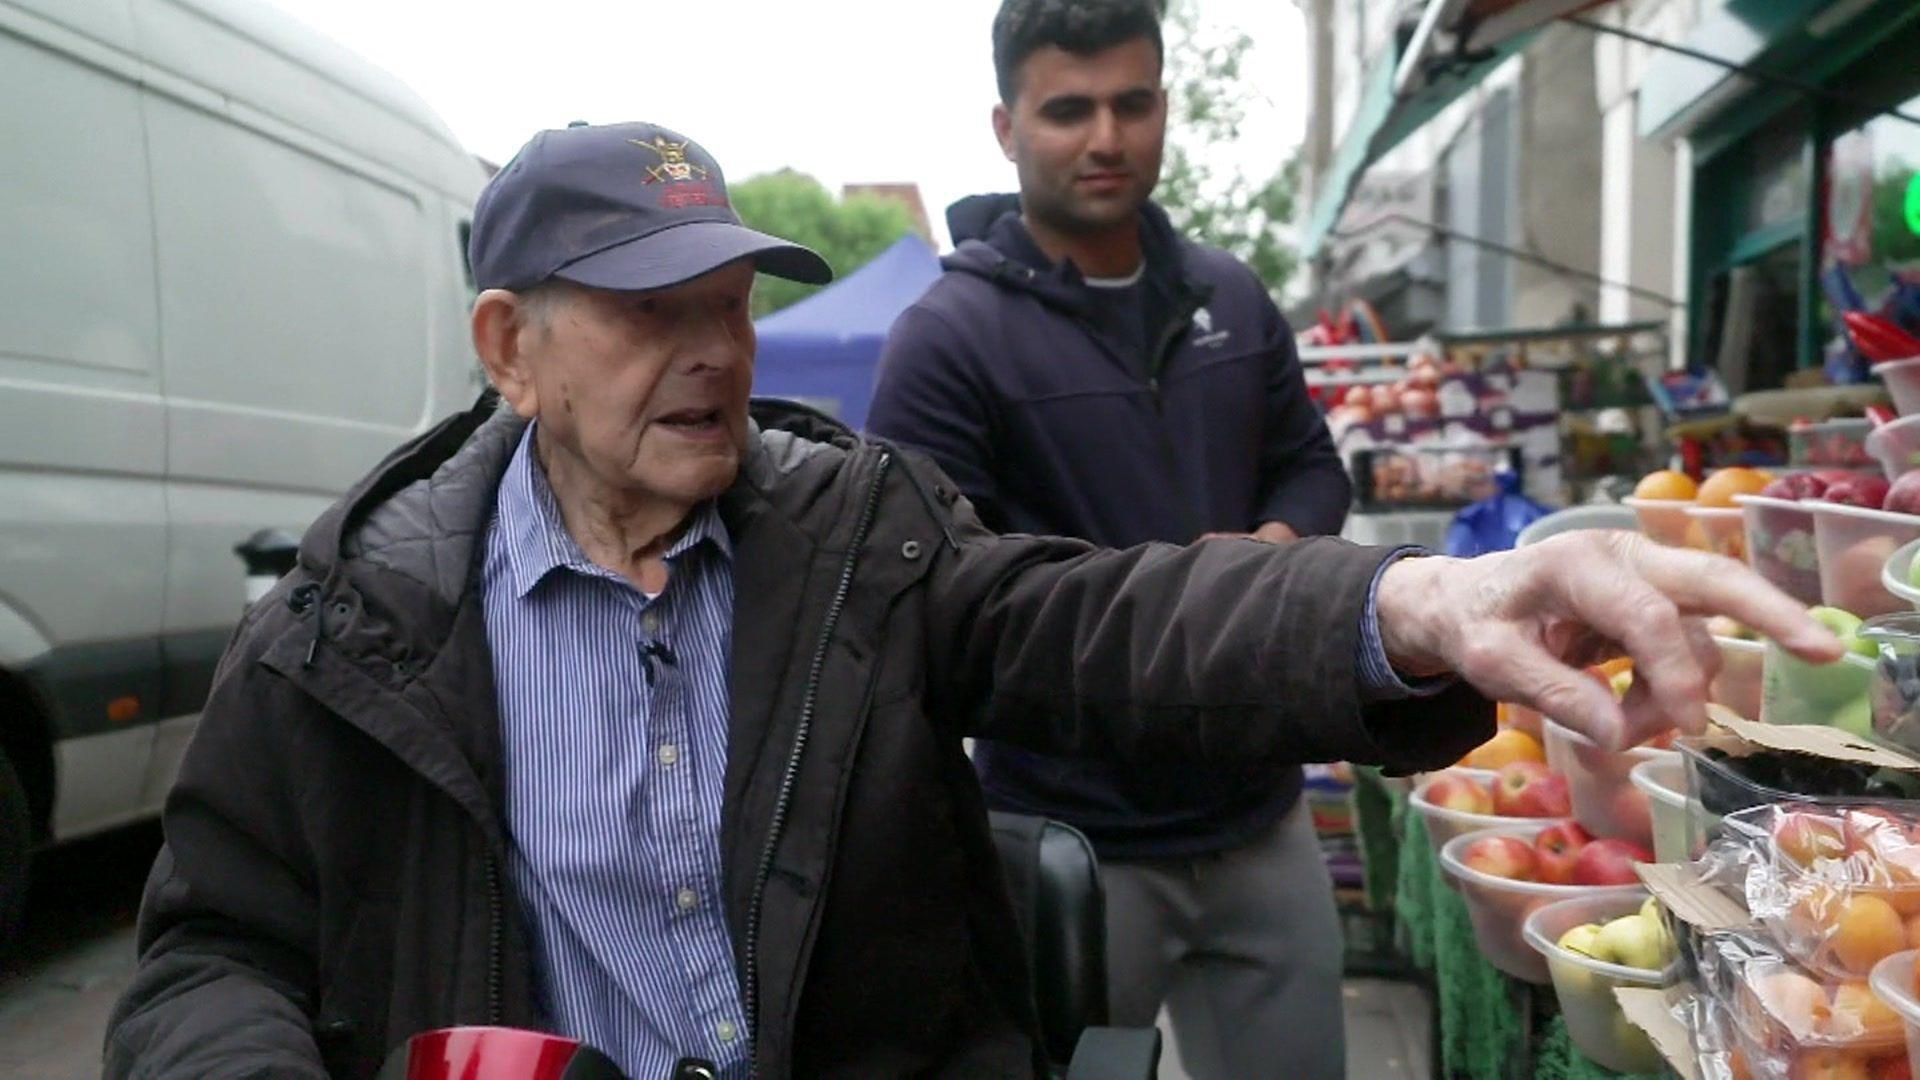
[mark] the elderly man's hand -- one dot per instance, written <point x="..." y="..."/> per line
<point x="1519" y="624"/>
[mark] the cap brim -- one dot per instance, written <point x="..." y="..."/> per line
<point x="683" y="252"/>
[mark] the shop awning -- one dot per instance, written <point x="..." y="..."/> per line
<point x="1455" y="44"/>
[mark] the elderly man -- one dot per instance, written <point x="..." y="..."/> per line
<point x="621" y="714"/>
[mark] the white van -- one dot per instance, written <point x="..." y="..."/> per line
<point x="232" y="277"/>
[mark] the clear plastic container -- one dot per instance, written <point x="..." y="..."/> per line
<point x="1498" y="907"/>
<point x="1896" y="678"/>
<point x="1793" y="691"/>
<point x="1892" y="983"/>
<point x="1903" y="383"/>
<point x="1664" y="520"/>
<point x="1720" y="529"/>
<point x="1605" y="802"/>
<point x="1896" y="446"/>
<point x="1585" y="986"/>
<point x="1444" y="824"/>
<point x="1664" y="782"/>
<point x="1830" y="444"/>
<point x="1742" y="668"/>
<point x="1834" y="886"/>
<point x="1715" y="789"/>
<point x="1780" y="545"/>
<point x="1897" y="576"/>
<point x="1854" y="545"/>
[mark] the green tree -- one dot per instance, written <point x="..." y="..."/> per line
<point x="1207" y="101"/>
<point x="794" y="206"/>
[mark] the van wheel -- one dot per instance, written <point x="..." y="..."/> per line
<point x="16" y="852"/>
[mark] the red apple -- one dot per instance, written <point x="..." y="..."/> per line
<point x="1420" y="402"/>
<point x="1530" y="789"/>
<point x="1795" y="487"/>
<point x="1456" y="792"/>
<point x="1556" y="849"/>
<point x="1609" y="862"/>
<point x="1904" y="496"/>
<point x="1501" y="856"/>
<point x="1858" y="489"/>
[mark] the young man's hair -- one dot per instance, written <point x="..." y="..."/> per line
<point x="1024" y="27"/>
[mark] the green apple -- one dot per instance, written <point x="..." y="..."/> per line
<point x="1632" y="941"/>
<point x="1580" y="939"/>
<point x="1819" y="684"/>
<point x="1855" y="717"/>
<point x="1651" y="909"/>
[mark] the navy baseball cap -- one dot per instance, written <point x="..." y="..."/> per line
<point x="618" y="206"/>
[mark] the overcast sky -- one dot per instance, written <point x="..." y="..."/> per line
<point x="847" y="90"/>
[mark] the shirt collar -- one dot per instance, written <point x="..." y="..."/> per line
<point x="537" y="539"/>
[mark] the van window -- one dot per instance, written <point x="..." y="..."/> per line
<point x="77" y="272"/>
<point x="291" y="283"/>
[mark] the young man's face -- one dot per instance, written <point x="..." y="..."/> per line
<point x="1086" y="133"/>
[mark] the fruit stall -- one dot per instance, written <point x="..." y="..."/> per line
<point x="1738" y="905"/>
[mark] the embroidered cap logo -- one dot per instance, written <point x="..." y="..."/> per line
<point x="674" y="166"/>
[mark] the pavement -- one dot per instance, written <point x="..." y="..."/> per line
<point x="77" y="955"/>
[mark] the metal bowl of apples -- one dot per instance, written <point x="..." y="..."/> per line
<point x="1604" y="799"/>
<point x="1506" y="873"/>
<point x="1454" y="802"/>
<point x="1593" y="944"/>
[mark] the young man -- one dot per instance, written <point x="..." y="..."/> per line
<point x="631" y="715"/>
<point x="1082" y="370"/>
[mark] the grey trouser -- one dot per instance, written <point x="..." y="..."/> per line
<point x="1244" y="950"/>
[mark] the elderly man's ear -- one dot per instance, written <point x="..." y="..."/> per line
<point x="500" y="334"/>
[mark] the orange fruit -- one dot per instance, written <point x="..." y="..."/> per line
<point x="1505" y="748"/>
<point x="1666" y="484"/>
<point x="1722" y="486"/>
<point x="1867" y="931"/>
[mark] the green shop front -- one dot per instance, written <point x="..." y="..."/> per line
<point x="1805" y="175"/>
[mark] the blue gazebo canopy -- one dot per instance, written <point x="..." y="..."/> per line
<point x="823" y="350"/>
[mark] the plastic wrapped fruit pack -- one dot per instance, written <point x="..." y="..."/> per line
<point x="1838" y="889"/>
<point x="1762" y="1016"/>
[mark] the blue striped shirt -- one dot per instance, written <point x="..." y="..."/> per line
<point x="615" y="755"/>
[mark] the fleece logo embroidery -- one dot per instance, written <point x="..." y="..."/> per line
<point x="1204" y="336"/>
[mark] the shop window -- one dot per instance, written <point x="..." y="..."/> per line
<point x="1872" y="213"/>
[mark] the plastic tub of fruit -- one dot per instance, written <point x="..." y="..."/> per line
<point x="1720" y="529"/>
<point x="1794" y="691"/>
<point x="1604" y="799"/>
<point x="1445" y="822"/>
<point x="1664" y="520"/>
<point x="1834" y="886"/>
<point x="1897" y="576"/>
<point x="1498" y="905"/>
<point x="1896" y="446"/>
<point x="1854" y="545"/>
<point x="1780" y="544"/>
<point x="1787" y="1025"/>
<point x="1893" y="983"/>
<point x="1830" y="444"/>
<point x="1663" y="781"/>
<point x="1742" y="669"/>
<point x="1726" y="774"/>
<point x="1623" y="928"/>
<point x="1903" y="382"/>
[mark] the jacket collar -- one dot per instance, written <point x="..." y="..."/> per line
<point x="1006" y="254"/>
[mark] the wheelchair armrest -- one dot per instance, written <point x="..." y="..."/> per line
<point x="1111" y="1053"/>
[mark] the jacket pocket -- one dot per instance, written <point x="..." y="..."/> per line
<point x="350" y="1025"/>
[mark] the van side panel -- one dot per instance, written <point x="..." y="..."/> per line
<point x="82" y="426"/>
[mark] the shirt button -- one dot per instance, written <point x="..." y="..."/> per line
<point x="650" y="621"/>
<point x="669" y="754"/>
<point x="726" y="1031"/>
<point x="687" y="900"/>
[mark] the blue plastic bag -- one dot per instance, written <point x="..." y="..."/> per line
<point x="1493" y="524"/>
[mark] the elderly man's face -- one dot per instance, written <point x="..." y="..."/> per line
<point x="647" y="391"/>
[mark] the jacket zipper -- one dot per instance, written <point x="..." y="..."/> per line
<point x="1157" y="360"/>
<point x="809" y="697"/>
